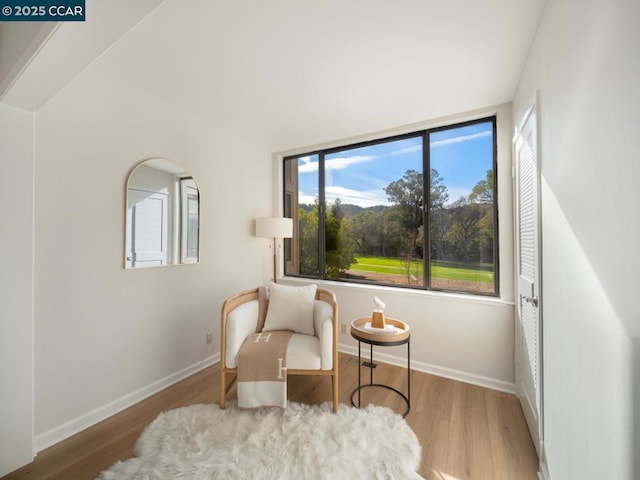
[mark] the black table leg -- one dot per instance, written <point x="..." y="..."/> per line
<point x="407" y="397"/>
<point x="359" y="382"/>
<point x="408" y="377"/>
<point x="371" y="364"/>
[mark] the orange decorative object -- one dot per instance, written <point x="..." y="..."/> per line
<point x="377" y="320"/>
<point x="401" y="331"/>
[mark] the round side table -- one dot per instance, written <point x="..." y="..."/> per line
<point x="400" y="336"/>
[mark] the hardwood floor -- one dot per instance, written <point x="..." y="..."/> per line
<point x="466" y="432"/>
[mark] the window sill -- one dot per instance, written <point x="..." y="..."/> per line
<point x="407" y="292"/>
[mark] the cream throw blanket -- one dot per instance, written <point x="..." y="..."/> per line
<point x="262" y="368"/>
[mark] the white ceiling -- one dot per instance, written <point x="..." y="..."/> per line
<point x="291" y="73"/>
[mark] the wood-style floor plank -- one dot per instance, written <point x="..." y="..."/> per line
<point x="466" y="432"/>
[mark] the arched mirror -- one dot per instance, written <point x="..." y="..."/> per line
<point x="163" y="215"/>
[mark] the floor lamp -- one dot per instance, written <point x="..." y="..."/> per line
<point x="274" y="227"/>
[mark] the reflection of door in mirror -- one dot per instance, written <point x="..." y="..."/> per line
<point x="162" y="225"/>
<point x="148" y="217"/>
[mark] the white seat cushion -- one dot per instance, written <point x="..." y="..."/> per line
<point x="303" y="352"/>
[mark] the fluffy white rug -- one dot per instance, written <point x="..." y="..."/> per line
<point x="301" y="442"/>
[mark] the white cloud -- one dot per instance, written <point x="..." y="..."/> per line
<point x="307" y="165"/>
<point x="465" y="138"/>
<point x="403" y="151"/>
<point x="338" y="163"/>
<point x="366" y="198"/>
<point x="306" y="198"/>
<point x="370" y="198"/>
<point x="343" y="162"/>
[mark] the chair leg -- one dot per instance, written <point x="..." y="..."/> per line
<point x="223" y="389"/>
<point x="334" y="388"/>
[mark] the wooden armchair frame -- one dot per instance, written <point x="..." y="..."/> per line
<point x="248" y="295"/>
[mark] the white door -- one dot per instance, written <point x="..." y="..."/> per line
<point x="148" y="217"/>
<point x="528" y="302"/>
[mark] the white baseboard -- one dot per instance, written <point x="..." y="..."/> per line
<point x="57" y="434"/>
<point x="76" y="425"/>
<point x="543" y="473"/>
<point x="451" y="373"/>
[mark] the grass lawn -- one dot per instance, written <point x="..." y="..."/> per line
<point x="449" y="271"/>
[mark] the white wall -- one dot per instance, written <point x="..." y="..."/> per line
<point x="105" y="336"/>
<point x="468" y="338"/>
<point x="16" y="288"/>
<point x="586" y="66"/>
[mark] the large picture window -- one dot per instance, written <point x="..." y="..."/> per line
<point x="361" y="214"/>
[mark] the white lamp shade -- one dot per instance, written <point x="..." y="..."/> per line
<point x="274" y="227"/>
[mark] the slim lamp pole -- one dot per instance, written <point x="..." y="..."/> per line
<point x="275" y="260"/>
<point x="275" y="228"/>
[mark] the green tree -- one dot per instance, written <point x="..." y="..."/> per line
<point x="375" y="232"/>
<point x="339" y="248"/>
<point x="483" y="190"/>
<point x="438" y="195"/>
<point x="439" y="218"/>
<point x="308" y="240"/>
<point x="408" y="196"/>
<point x="363" y="231"/>
<point x="483" y="195"/>
<point x="463" y="232"/>
<point x="407" y="193"/>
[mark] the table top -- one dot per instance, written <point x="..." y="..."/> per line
<point x="400" y="336"/>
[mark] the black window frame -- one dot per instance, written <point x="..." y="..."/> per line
<point x="426" y="175"/>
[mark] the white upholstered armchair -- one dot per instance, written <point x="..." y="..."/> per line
<point x="315" y="354"/>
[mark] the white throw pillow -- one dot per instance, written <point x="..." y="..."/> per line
<point x="290" y="308"/>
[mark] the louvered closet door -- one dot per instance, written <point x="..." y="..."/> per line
<point x="528" y="328"/>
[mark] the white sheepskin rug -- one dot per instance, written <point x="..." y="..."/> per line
<point x="302" y="442"/>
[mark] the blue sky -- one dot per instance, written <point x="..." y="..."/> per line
<point x="359" y="176"/>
